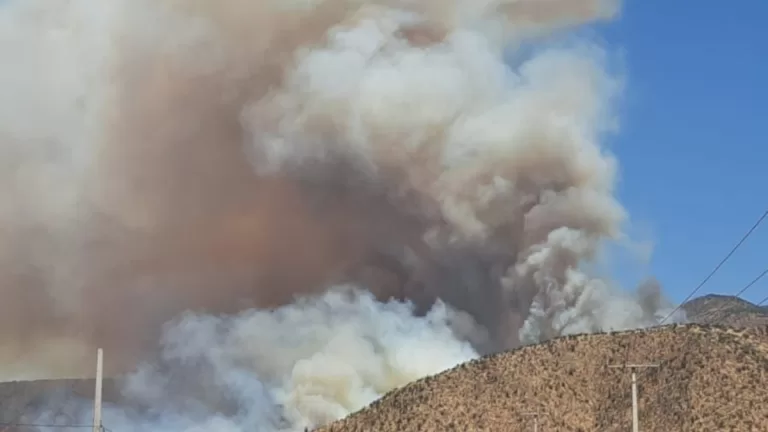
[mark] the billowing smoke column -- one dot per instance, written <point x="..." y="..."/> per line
<point x="237" y="158"/>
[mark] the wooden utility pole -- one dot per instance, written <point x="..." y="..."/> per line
<point x="633" y="367"/>
<point x="535" y="416"/>
<point x="97" y="391"/>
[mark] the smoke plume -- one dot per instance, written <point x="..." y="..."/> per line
<point x="236" y="162"/>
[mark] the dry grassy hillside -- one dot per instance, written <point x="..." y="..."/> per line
<point x="711" y="379"/>
<point x="18" y="398"/>
<point x="727" y="310"/>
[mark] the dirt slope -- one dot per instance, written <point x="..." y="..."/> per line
<point x="726" y="310"/>
<point x="711" y="379"/>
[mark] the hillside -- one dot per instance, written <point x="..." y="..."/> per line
<point x="726" y="310"/>
<point x="17" y="397"/>
<point x="711" y="379"/>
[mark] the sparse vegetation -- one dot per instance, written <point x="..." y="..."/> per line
<point x="726" y="310"/>
<point x="712" y="379"/>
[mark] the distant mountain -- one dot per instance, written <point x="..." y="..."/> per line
<point x="726" y="310"/>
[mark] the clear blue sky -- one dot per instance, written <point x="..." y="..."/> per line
<point x="694" y="142"/>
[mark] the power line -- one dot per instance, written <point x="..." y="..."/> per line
<point x="746" y="287"/>
<point x="632" y="368"/>
<point x="736" y="296"/>
<point x="715" y="322"/>
<point x="717" y="267"/>
<point x="754" y="281"/>
<point x="706" y="279"/>
<point x="70" y="385"/>
<point x="763" y="301"/>
<point x="16" y="422"/>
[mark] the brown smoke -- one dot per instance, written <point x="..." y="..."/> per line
<point x="178" y="218"/>
<point x="211" y="177"/>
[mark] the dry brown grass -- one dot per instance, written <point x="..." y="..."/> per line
<point x="711" y="379"/>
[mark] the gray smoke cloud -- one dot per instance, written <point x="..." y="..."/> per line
<point x="238" y="163"/>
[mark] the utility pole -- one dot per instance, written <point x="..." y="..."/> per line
<point x="97" y="391"/>
<point x="535" y="416"/>
<point x="633" y="367"/>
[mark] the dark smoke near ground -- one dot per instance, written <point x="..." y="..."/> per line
<point x="237" y="157"/>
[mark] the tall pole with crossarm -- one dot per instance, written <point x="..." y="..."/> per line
<point x="633" y="367"/>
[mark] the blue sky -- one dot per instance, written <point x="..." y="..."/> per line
<point x="693" y="144"/>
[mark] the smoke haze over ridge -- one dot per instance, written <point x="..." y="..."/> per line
<point x="236" y="156"/>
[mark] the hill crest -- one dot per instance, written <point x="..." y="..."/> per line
<point x="710" y="379"/>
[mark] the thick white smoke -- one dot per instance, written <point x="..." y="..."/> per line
<point x="344" y="351"/>
<point x="301" y="365"/>
<point x="235" y="158"/>
<point x="495" y="158"/>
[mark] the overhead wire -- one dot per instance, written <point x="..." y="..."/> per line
<point x="17" y="420"/>
<point x="717" y="267"/>
<point x="719" y="320"/>
<point x="698" y="287"/>
<point x="709" y="276"/>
